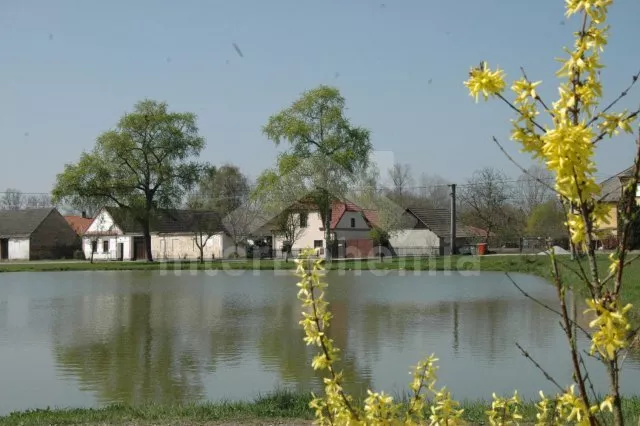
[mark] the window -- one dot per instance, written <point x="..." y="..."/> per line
<point x="105" y="246"/>
<point x="303" y="219"/>
<point x="317" y="244"/>
<point x="94" y="246"/>
<point x="353" y="222"/>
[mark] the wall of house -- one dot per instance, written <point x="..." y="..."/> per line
<point x="311" y="233"/>
<point x="414" y="238"/>
<point x="19" y="249"/>
<point x="612" y="218"/>
<point x="183" y="246"/>
<point x="111" y="254"/>
<point x="54" y="238"/>
<point x="103" y="223"/>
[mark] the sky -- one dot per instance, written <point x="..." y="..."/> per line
<point x="71" y="68"/>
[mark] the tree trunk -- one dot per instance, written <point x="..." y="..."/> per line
<point x="146" y="232"/>
<point x="327" y="236"/>
<point x="91" y="261"/>
<point x="201" y="254"/>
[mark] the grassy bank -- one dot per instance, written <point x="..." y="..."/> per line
<point x="285" y="407"/>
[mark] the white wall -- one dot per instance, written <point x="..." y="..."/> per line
<point x="19" y="249"/>
<point x="127" y="250"/>
<point x="345" y="222"/>
<point x="183" y="246"/>
<point x="103" y="223"/>
<point x="414" y="238"/>
<point x="307" y="235"/>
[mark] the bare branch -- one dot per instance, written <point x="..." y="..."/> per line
<point x="624" y="93"/>
<point x="539" y="367"/>
<point x="633" y="337"/>
<point x="588" y="379"/>
<point x="544" y="305"/>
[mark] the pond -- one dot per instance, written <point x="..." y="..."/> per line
<point x="89" y="338"/>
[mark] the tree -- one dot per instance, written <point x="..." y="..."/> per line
<point x="401" y="181"/>
<point x="535" y="188"/>
<point x="325" y="150"/>
<point x="203" y="195"/>
<point x="230" y="189"/>
<point x="142" y="165"/>
<point x="485" y="198"/>
<point x="547" y="220"/>
<point x="40" y="201"/>
<point x="204" y="225"/>
<point x="13" y="199"/>
<point x="434" y="191"/>
<point x="243" y="222"/>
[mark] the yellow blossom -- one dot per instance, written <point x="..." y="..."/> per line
<point x="483" y="80"/>
<point x="504" y="411"/>
<point x="525" y="89"/>
<point x="612" y="327"/>
<point x="612" y="122"/>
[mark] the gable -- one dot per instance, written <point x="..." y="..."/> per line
<point x="103" y="224"/>
<point x="358" y="219"/>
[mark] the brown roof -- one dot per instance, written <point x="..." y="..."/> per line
<point x="611" y="189"/>
<point x="79" y="224"/>
<point x="439" y="221"/>
<point x="21" y="223"/>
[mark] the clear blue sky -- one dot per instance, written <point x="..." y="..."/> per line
<point x="71" y="68"/>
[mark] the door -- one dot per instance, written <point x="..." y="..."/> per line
<point x="120" y="251"/>
<point x="139" y="252"/>
<point x="4" y="248"/>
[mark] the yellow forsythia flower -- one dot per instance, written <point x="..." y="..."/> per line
<point x="612" y="327"/>
<point x="483" y="80"/>
<point x="504" y="411"/>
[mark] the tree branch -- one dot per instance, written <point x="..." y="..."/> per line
<point x="604" y="133"/>
<point x="546" y="375"/>
<point x="513" y="107"/>
<point x="624" y="93"/>
<point x="544" y="305"/>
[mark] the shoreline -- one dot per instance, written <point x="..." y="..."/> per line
<point x="280" y="407"/>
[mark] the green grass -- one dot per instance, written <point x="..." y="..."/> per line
<point x="279" y="405"/>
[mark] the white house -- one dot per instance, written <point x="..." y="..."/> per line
<point x="175" y="234"/>
<point x="350" y="227"/>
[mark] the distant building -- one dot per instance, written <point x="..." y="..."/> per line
<point x="35" y="234"/>
<point x="80" y="224"/>
<point x="611" y="193"/>
<point x="115" y="235"/>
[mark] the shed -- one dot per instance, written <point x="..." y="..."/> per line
<point x="34" y="234"/>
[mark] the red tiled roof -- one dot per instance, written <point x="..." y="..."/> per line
<point x="339" y="208"/>
<point x="79" y="224"/>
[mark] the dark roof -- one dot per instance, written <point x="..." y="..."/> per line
<point x="611" y="189"/>
<point x="166" y="221"/>
<point x="438" y="221"/>
<point x="21" y="223"/>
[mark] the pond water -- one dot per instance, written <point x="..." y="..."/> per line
<point x="89" y="338"/>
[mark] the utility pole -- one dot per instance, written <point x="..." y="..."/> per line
<point x="453" y="218"/>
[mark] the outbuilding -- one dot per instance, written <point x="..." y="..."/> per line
<point x="36" y="234"/>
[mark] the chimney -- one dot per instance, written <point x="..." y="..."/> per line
<point x="84" y="214"/>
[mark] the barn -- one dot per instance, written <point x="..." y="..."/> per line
<point x="36" y="234"/>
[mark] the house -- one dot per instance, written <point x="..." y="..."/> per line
<point x="175" y="234"/>
<point x="426" y="231"/>
<point x="35" y="234"/>
<point x="350" y="227"/>
<point x="611" y="194"/>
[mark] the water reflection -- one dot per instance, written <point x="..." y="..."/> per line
<point x="138" y="337"/>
